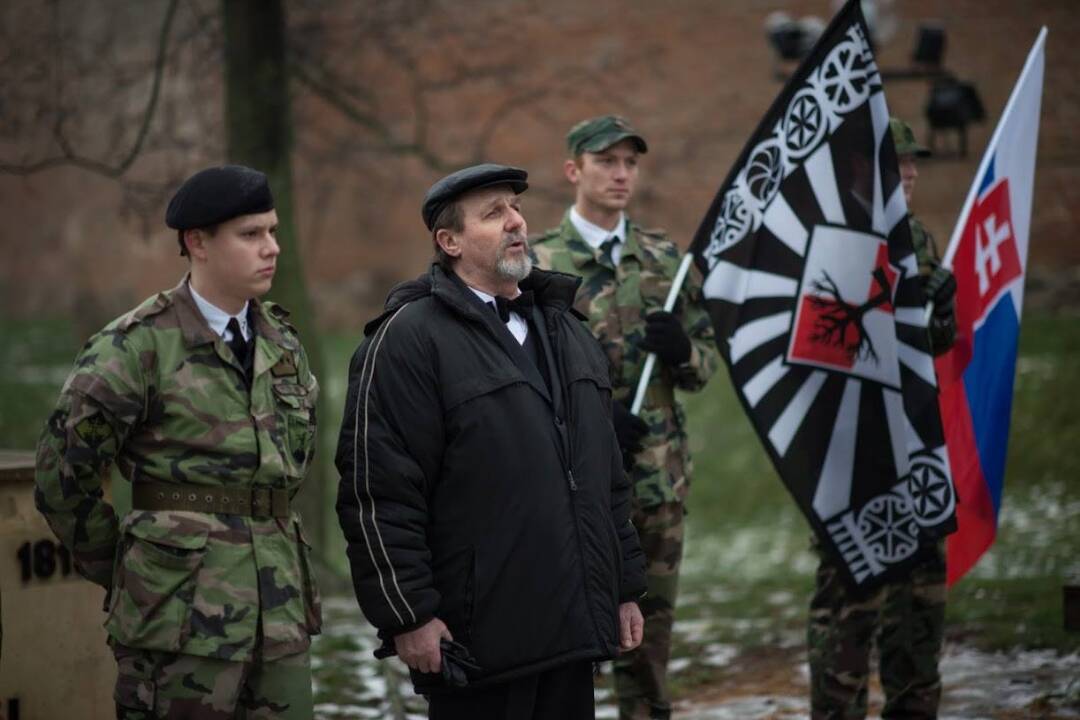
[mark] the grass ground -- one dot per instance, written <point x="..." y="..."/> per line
<point x="748" y="571"/>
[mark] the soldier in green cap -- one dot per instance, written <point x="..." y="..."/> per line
<point x="905" y="618"/>
<point x="627" y="273"/>
<point x="203" y="398"/>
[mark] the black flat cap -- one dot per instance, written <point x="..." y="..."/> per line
<point x="217" y="194"/>
<point x="471" y="178"/>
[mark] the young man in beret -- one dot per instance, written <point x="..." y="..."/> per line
<point x="627" y="273"/>
<point x="905" y="619"/>
<point x="482" y="494"/>
<point x="203" y="398"/>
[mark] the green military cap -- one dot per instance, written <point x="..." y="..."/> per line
<point x="904" y="139"/>
<point x="599" y="133"/>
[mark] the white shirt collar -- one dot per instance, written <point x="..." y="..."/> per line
<point x="482" y="295"/>
<point x="517" y="325"/>
<point x="218" y="319"/>
<point x="594" y="234"/>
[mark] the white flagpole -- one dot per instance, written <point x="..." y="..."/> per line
<point x="961" y="221"/>
<point x="669" y="305"/>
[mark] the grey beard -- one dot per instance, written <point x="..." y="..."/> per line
<point x="513" y="268"/>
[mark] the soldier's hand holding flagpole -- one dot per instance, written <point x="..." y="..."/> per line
<point x="669" y="305"/>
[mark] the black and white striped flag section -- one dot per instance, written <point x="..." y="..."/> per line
<point x="813" y="287"/>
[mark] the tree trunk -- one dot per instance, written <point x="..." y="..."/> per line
<point x="259" y="134"/>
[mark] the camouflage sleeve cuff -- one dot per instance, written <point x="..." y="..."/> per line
<point x="96" y="566"/>
<point x="689" y="376"/>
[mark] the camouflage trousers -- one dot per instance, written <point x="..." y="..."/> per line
<point x="154" y="685"/>
<point x="905" y="618"/>
<point x="641" y="676"/>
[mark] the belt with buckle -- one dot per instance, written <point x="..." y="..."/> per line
<point x="249" y="501"/>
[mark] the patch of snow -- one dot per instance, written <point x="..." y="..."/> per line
<point x="719" y="654"/>
<point x="692" y="630"/>
<point x="678" y="665"/>
<point x="781" y="597"/>
<point x="751" y="707"/>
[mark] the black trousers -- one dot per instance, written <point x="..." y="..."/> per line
<point x="562" y="693"/>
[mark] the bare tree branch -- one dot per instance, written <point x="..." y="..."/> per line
<point x="389" y="143"/>
<point x="69" y="156"/>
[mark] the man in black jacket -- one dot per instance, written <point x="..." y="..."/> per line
<point x="482" y="493"/>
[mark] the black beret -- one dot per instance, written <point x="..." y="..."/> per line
<point x="466" y="179"/>
<point x="217" y="194"/>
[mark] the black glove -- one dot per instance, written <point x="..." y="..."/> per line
<point x="457" y="661"/>
<point x="940" y="287"/>
<point x="630" y="430"/>
<point x="664" y="335"/>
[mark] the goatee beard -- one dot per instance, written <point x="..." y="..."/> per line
<point x="516" y="268"/>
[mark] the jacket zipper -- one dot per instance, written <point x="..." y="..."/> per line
<point x="568" y="446"/>
<point x="565" y="439"/>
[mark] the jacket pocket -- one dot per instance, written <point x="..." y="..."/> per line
<point x="455" y="579"/>
<point x="312" y="599"/>
<point x="480" y="384"/>
<point x="295" y="410"/>
<point x="154" y="585"/>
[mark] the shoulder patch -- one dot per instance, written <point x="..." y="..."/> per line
<point x="280" y="314"/>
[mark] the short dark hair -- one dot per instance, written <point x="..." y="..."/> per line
<point x="452" y="218"/>
<point x="210" y="230"/>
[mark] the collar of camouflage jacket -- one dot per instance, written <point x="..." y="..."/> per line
<point x="582" y="253"/>
<point x="197" y="331"/>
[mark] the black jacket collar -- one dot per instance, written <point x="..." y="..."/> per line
<point x="554" y="293"/>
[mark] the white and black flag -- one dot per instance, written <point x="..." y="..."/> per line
<point x="813" y="287"/>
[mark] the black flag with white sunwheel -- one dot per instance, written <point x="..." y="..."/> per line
<point x="813" y="287"/>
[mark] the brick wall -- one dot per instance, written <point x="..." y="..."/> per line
<point x="694" y="75"/>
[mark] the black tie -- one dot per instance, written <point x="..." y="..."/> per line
<point x="238" y="344"/>
<point x="607" y="247"/>
<point x="522" y="305"/>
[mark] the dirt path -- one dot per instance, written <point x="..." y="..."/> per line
<point x="772" y="683"/>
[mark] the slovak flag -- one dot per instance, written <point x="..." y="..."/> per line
<point x="988" y="256"/>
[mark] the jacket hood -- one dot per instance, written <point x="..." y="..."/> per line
<point x="400" y="295"/>
<point x="552" y="289"/>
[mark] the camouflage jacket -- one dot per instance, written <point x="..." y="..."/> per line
<point x="616" y="300"/>
<point x="942" y="330"/>
<point x="159" y="394"/>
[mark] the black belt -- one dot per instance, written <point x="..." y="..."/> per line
<point x="259" y="501"/>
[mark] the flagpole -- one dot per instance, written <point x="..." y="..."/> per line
<point x="973" y="192"/>
<point x="669" y="305"/>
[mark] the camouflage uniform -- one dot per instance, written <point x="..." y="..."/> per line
<point x="906" y="618"/>
<point x="616" y="300"/>
<point x="201" y="605"/>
